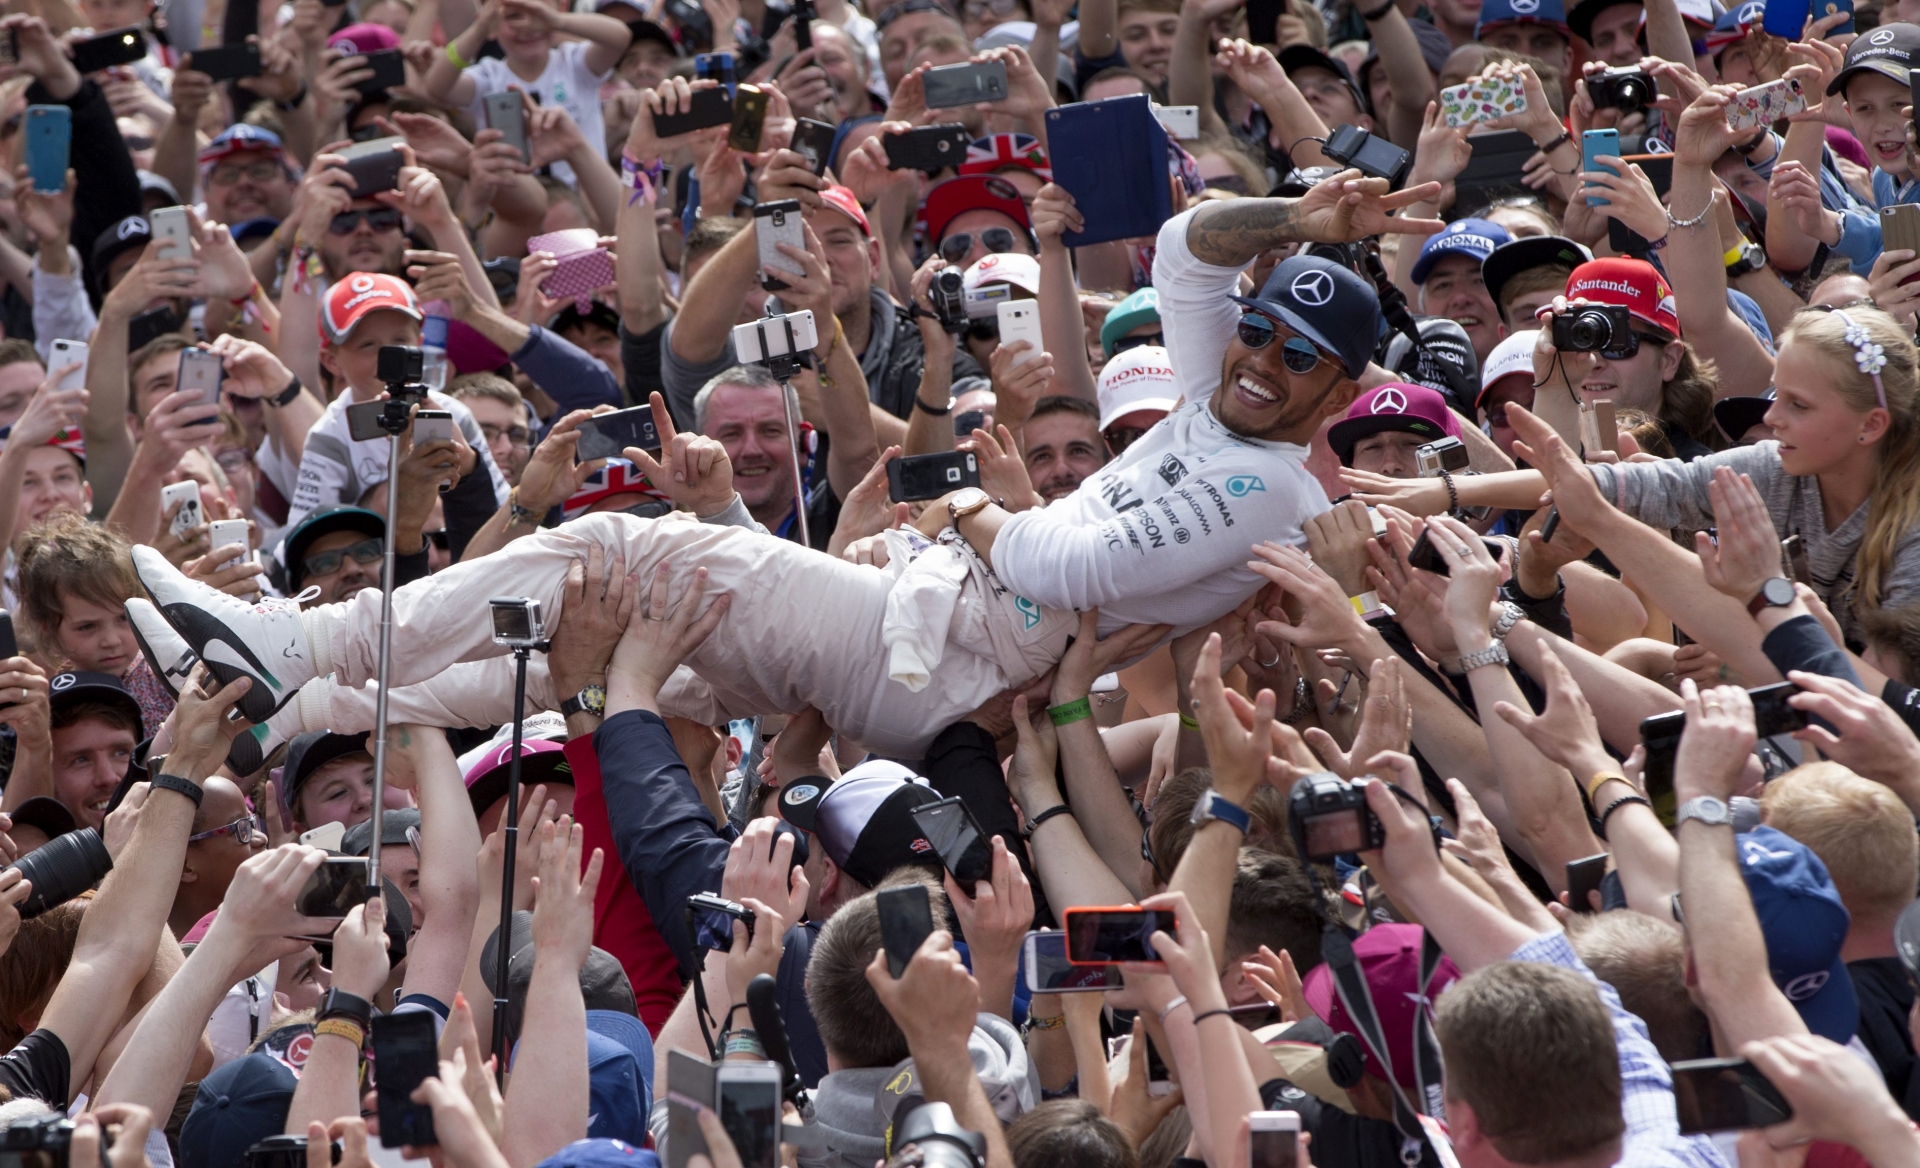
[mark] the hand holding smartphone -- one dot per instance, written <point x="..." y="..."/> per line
<point x="405" y="1053"/>
<point x="906" y="920"/>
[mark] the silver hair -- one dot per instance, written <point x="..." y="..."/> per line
<point x="745" y="376"/>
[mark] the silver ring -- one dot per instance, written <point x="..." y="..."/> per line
<point x="1272" y="663"/>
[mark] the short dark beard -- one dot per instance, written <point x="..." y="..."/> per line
<point x="1281" y="428"/>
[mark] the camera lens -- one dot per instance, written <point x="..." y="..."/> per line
<point x="1590" y="331"/>
<point x="62" y="869"/>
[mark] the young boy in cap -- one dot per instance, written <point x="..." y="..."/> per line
<point x="1385" y="426"/>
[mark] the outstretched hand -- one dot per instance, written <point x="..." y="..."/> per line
<point x="659" y="636"/>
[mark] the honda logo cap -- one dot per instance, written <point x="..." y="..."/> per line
<point x="1139" y="379"/>
<point x="1804" y="924"/>
<point x="349" y="301"/>
<point x="1397" y="405"/>
<point x="1888" y="50"/>
<point x="1633" y="284"/>
<point x="1327" y="304"/>
<point x="865" y="820"/>
<point x="1468" y="237"/>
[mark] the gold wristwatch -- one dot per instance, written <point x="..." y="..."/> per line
<point x="968" y="501"/>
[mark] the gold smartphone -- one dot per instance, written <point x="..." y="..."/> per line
<point x="749" y="118"/>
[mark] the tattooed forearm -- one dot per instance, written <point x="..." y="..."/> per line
<point x="1232" y="232"/>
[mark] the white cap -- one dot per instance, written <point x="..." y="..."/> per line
<point x="1139" y="379"/>
<point x="1510" y="356"/>
<point x="993" y="279"/>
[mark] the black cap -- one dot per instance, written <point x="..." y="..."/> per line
<point x="1526" y="253"/>
<point x="597" y="312"/>
<point x="46" y="813"/>
<point x="647" y="30"/>
<point x="1326" y="303"/>
<point x="65" y="689"/>
<point x="294" y="551"/>
<point x="1888" y="50"/>
<point x="1295" y="57"/>
<point x="865" y="820"/>
<point x="125" y="235"/>
<point x="358" y="841"/>
<point x="1580" y="16"/>
<point x="603" y="982"/>
<point x="309" y="752"/>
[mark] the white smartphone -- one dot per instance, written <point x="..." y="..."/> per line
<point x="172" y="234"/>
<point x="186" y="494"/>
<point x="222" y="532"/>
<point x="775" y="224"/>
<point x="1179" y="121"/>
<point x="432" y="426"/>
<point x="748" y="1095"/>
<point x="1049" y="971"/>
<point x="326" y="837"/>
<point x="67" y="353"/>
<point x="759" y="341"/>
<point x="1273" y="1139"/>
<point x="1020" y="321"/>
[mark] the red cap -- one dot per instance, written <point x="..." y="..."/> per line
<point x="974" y="192"/>
<point x="1634" y="284"/>
<point x="351" y="299"/>
<point x="71" y="441"/>
<point x="842" y="200"/>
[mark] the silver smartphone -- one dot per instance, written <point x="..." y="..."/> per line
<point x="223" y="532"/>
<point x="172" y="233"/>
<point x="1049" y="971"/>
<point x="1179" y="121"/>
<point x="432" y="426"/>
<point x="506" y="114"/>
<point x="749" y="1106"/>
<point x="202" y="372"/>
<point x="773" y="225"/>
<point x="67" y="353"/>
<point x="187" y="495"/>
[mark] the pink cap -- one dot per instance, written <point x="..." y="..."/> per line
<point x="357" y="40"/>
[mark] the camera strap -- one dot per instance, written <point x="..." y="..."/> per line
<point x="1351" y="985"/>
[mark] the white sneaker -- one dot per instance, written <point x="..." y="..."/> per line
<point x="167" y="653"/>
<point x="264" y="641"/>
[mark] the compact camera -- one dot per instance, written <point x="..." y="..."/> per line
<point x="1622" y="88"/>
<point x="516" y="622"/>
<point x="1329" y="817"/>
<point x="42" y="1142"/>
<point x="1447" y="454"/>
<point x="1593" y="328"/>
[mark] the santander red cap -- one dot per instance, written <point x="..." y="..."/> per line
<point x="973" y="192"/>
<point x="1633" y="284"/>
<point x="842" y="200"/>
<point x="351" y="299"/>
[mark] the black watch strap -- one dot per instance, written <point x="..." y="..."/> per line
<point x="180" y="786"/>
<point x="341" y="1004"/>
<point x="1033" y="824"/>
<point x="285" y="397"/>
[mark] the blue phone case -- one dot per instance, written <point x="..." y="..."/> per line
<point x="1825" y="8"/>
<point x="49" y="134"/>
<point x="1786" y="18"/>
<point x="1593" y="144"/>
<point x="1111" y="156"/>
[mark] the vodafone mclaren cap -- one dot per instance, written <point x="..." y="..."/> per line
<point x="865" y="820"/>
<point x="349" y="301"/>
<point x="1633" y="284"/>
<point x="1512" y="355"/>
<point x="1139" y="379"/>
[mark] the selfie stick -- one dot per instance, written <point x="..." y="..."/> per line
<point x="510" y="825"/>
<point x="790" y="401"/>
<point x="789" y="361"/>
<point x="400" y="369"/>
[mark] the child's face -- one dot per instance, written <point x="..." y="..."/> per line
<point x="96" y="638"/>
<point x="525" y="39"/>
<point x="1873" y="106"/>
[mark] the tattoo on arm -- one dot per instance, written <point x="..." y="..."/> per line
<point x="1233" y="232"/>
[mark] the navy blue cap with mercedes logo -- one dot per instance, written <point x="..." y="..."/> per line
<point x="1326" y="303"/>
<point x="1888" y="50"/>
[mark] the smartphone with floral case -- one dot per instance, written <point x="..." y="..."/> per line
<point x="1766" y="104"/>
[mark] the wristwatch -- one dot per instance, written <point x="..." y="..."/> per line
<point x="591" y="700"/>
<point x="966" y="502"/>
<point x="180" y="786"/>
<point x="1775" y="593"/>
<point x="1494" y="654"/>
<point x="1706" y="809"/>
<point x="340" y="1004"/>
<point x="1214" y="805"/>
<point x="1751" y="259"/>
<point x="1511" y="614"/>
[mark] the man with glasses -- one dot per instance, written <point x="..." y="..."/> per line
<point x="502" y="414"/>
<point x="338" y="551"/>
<point x="244" y="175"/>
<point x="225" y="835"/>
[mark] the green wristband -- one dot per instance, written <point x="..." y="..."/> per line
<point x="1189" y="722"/>
<point x="1072" y="711"/>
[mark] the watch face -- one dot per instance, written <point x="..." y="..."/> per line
<point x="1778" y="592"/>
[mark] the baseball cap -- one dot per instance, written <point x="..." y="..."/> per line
<point x="1580" y="17"/>
<point x="1514" y="256"/>
<point x="1804" y="924"/>
<point x="236" y="1107"/>
<point x="1394" y="406"/>
<point x="1142" y="307"/>
<point x="150" y="181"/>
<point x="1494" y="13"/>
<point x="1296" y="57"/>
<point x="865" y="819"/>
<point x="619" y="1076"/>
<point x="617" y="477"/>
<point x="1469" y="237"/>
<point x="997" y="152"/>
<point x="541" y="761"/>
<point x="1443" y="360"/>
<point x="293" y="551"/>
<point x="1737" y="415"/>
<point x="1634" y="284"/>
<point x="350" y="300"/>
<point x="394" y="824"/>
<point x="603" y="983"/>
<point x="72" y="440"/>
<point x="46" y="813"/>
<point x="645" y="30"/>
<point x="1888" y="50"/>
<point x="1389" y="956"/>
<point x="1514" y="354"/>
<point x="83" y="685"/>
<point x="1327" y="304"/>
<point x="124" y="235"/>
<point x="598" y="312"/>
<point x="972" y="192"/>
<point x="309" y="752"/>
<point x="993" y="279"/>
<point x="1733" y="24"/>
<point x="1139" y="379"/>
<point x="592" y="1153"/>
<point x="242" y="137"/>
<point x="357" y="40"/>
<point x="844" y="201"/>
<point x="248" y="230"/>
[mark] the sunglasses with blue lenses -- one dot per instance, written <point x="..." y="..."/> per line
<point x="1297" y="353"/>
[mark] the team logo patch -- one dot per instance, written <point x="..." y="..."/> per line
<point x="1805" y="986"/>
<point x="1390" y="401"/>
<point x="1029" y="611"/>
<point x="1312" y="288"/>
<point x="63" y="682"/>
<point x="1172" y="470"/>
<point x="799" y="793"/>
<point x="1239" y="486"/>
<point x="361" y="284"/>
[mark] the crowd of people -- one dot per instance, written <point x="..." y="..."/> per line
<point x="1406" y="651"/>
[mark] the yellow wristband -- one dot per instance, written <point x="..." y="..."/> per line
<point x="1366" y="603"/>
<point x="453" y="54"/>
<point x="341" y="1028"/>
<point x="1594" y="784"/>
<point x="1731" y="258"/>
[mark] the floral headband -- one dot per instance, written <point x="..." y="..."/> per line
<point x="1871" y="358"/>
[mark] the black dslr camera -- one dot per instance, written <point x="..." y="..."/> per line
<point x="1623" y="88"/>
<point x="948" y="296"/>
<point x="943" y="1143"/>
<point x="60" y="870"/>
<point x="1329" y="817"/>
<point x="1593" y="328"/>
<point x="42" y="1142"/>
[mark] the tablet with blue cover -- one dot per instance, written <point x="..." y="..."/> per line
<point x="1111" y="156"/>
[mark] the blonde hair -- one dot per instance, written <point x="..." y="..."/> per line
<point x="1894" y="507"/>
<point x="1859" y="829"/>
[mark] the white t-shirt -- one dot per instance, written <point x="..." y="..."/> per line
<point x="565" y="82"/>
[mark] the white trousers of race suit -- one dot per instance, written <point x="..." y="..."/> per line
<point x="889" y="656"/>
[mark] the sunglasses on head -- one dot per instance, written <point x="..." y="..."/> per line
<point x="895" y="12"/>
<point x="378" y="219"/>
<point x="1124" y="343"/>
<point x="367" y="551"/>
<point x="1297" y="353"/>
<point x="959" y="245"/>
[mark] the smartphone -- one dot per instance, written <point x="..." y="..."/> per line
<point x="1899" y="228"/>
<point x="1763" y="105"/>
<point x="714" y="67"/>
<point x="389" y="72"/>
<point x="1598" y="430"/>
<point x="749" y="118"/>
<point x="49" y="137"/>
<point x="1427" y="557"/>
<point x="955" y="834"/>
<point x="1583" y="876"/>
<point x="507" y="114"/>
<point x="1482" y="100"/>
<point x="1714" y="1095"/>
<point x="913" y="477"/>
<point x="1049" y="971"/>
<point x="813" y="141"/>
<point x="432" y="426"/>
<point x="1786" y="18"/>
<point x="375" y="166"/>
<point x="224" y="532"/>
<point x="187" y="495"/>
<point x="203" y="371"/>
<point x="226" y="62"/>
<point x="172" y="233"/>
<point x="1159" y="1079"/>
<point x="1020" y="321"/>
<point x="334" y="888"/>
<point x="761" y="341"/>
<point x="1771" y="713"/>
<point x="1255" y="1016"/>
<point x="690" y="1087"/>
<point x="1660" y="735"/>
<point x="363" y="421"/>
<point x="326" y="837"/>
<point x="710" y="921"/>
<point x="67" y="353"/>
<point x="1826" y="8"/>
<point x="775" y="224"/>
<point x="1179" y="121"/>
<point x="749" y="1097"/>
<point x="609" y="435"/>
<point x="906" y="920"/>
<point x="1794" y="547"/>
<point x="1273" y="1139"/>
<point x="405" y="1053"/>
<point x="707" y="108"/>
<point x="1593" y="144"/>
<point x="928" y="148"/>
<point x="150" y="326"/>
<point x="968" y="83"/>
<point x="1104" y="936"/>
<point x="122" y="46"/>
